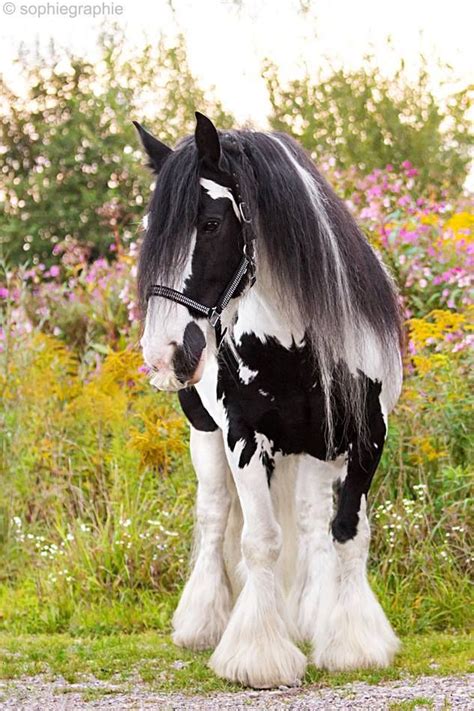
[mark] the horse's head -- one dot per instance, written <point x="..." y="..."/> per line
<point x="192" y="247"/>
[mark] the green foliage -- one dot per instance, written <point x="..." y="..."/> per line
<point x="88" y="515"/>
<point x="364" y="119"/>
<point x="70" y="165"/>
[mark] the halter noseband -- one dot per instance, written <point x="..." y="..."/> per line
<point x="246" y="266"/>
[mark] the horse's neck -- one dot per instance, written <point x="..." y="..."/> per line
<point x="262" y="314"/>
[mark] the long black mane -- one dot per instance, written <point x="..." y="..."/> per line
<point x="319" y="259"/>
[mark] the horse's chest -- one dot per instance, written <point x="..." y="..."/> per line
<point x="272" y="392"/>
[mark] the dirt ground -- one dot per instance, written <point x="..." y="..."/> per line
<point x="427" y="692"/>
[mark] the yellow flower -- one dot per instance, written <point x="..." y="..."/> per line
<point x="160" y="435"/>
<point x="460" y="221"/>
<point x="435" y="326"/>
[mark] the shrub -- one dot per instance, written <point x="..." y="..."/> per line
<point x="364" y="119"/>
<point x="71" y="165"/>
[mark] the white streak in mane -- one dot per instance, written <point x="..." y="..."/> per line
<point x="216" y="191"/>
<point x="317" y="201"/>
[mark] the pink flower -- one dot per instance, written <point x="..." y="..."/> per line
<point x="54" y="271"/>
<point x="404" y="200"/>
<point x="4" y="293"/>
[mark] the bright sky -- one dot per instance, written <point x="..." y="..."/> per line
<point x="227" y="40"/>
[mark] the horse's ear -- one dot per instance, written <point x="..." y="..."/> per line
<point x="156" y="151"/>
<point x="207" y="141"/>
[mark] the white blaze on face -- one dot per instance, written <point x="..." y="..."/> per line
<point x="165" y="323"/>
<point x="216" y="191"/>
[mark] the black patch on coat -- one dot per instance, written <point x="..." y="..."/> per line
<point x="269" y="464"/>
<point x="291" y="414"/>
<point x="362" y="464"/>
<point x="186" y="357"/>
<point x="195" y="410"/>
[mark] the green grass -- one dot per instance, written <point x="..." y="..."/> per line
<point x="122" y="660"/>
<point x="410" y="705"/>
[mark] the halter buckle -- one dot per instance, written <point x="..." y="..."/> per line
<point x="213" y="317"/>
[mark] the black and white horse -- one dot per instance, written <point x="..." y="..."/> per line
<point x="270" y="314"/>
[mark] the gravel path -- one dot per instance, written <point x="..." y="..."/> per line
<point x="36" y="694"/>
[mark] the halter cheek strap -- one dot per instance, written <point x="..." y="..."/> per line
<point x="212" y="313"/>
<point x="246" y="267"/>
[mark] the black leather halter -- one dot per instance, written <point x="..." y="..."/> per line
<point x="246" y="267"/>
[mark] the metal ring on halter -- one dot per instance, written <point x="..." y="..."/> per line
<point x="245" y="217"/>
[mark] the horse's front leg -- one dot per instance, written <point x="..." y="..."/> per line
<point x="351" y="628"/>
<point x="206" y="602"/>
<point x="256" y="649"/>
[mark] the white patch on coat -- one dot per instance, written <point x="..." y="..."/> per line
<point x="259" y="314"/>
<point x="216" y="191"/>
<point x="207" y="391"/>
<point x="145" y="220"/>
<point x="246" y="375"/>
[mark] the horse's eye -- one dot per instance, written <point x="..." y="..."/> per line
<point x="211" y="225"/>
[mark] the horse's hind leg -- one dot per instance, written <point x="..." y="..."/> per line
<point x="351" y="628"/>
<point x="205" y="605"/>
